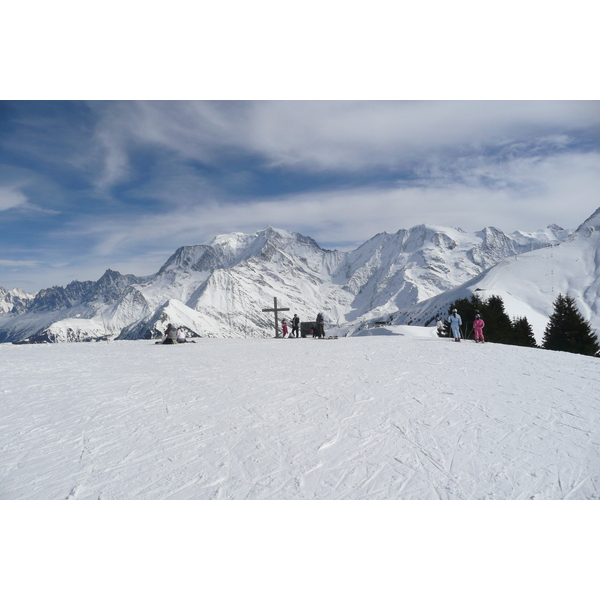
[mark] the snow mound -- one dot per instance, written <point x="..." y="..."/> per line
<point x="404" y="330"/>
<point x="71" y="330"/>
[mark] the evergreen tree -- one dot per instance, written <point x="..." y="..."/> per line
<point x="568" y="331"/>
<point x="522" y="333"/>
<point x="498" y="326"/>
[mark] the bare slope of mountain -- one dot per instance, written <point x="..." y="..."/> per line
<point x="220" y="289"/>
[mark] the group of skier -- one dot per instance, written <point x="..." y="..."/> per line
<point x="455" y="322"/>
<point x="295" y="327"/>
<point x="175" y="335"/>
<point x="318" y="330"/>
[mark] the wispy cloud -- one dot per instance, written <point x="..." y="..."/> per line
<point x="533" y="193"/>
<point x="340" y="136"/>
<point x="19" y="263"/>
<point x="12" y="197"/>
<point x="135" y="180"/>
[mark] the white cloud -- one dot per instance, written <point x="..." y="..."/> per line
<point x="506" y="164"/>
<point x="19" y="263"/>
<point x="12" y="197"/>
<point x="356" y="135"/>
<point x="531" y="194"/>
<point x="329" y="135"/>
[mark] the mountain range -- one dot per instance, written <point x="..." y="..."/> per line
<point x="220" y="289"/>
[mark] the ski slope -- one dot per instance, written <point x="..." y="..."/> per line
<point x="405" y="415"/>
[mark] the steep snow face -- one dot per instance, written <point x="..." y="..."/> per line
<point x="279" y="264"/>
<point x="15" y="301"/>
<point x="230" y="281"/>
<point x="550" y="236"/>
<point x="174" y="312"/>
<point x="392" y="271"/>
<point x="221" y="254"/>
<point x="590" y="225"/>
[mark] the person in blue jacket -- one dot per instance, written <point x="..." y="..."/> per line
<point x="455" y="323"/>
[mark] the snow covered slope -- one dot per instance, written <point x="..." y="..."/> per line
<point x="529" y="283"/>
<point x="224" y="285"/>
<point x="15" y="300"/>
<point x="383" y="417"/>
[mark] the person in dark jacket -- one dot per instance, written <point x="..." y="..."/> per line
<point x="170" y="335"/>
<point x="320" y="326"/>
<point x="295" y="326"/>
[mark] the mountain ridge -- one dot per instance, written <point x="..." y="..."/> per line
<point x="223" y="285"/>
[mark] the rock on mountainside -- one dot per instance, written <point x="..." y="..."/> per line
<point x="219" y="289"/>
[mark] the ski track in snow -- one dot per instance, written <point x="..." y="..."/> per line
<point x="382" y="417"/>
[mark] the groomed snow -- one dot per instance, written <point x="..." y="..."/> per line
<point x="381" y="417"/>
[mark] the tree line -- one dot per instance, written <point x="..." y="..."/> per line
<point x="567" y="330"/>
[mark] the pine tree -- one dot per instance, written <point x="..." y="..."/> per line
<point x="522" y="333"/>
<point x="498" y="327"/>
<point x="568" y="331"/>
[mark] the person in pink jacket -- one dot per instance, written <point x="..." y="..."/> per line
<point x="478" y="326"/>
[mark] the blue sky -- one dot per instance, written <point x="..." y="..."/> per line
<point x="86" y="186"/>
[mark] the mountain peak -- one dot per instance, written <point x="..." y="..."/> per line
<point x="591" y="223"/>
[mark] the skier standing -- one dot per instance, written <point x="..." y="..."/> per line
<point x="295" y="326"/>
<point x="455" y="323"/>
<point x="320" y="326"/>
<point x="284" y="327"/>
<point x="478" y="325"/>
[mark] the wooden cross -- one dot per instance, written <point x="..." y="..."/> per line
<point x="275" y="309"/>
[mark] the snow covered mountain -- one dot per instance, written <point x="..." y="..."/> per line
<point x="219" y="289"/>
<point x="529" y="283"/>
<point x="15" y="301"/>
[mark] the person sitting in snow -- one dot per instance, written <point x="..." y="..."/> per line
<point x="170" y="335"/>
<point x="181" y="335"/>
<point x="440" y="328"/>
<point x="455" y="322"/>
<point x="478" y="326"/>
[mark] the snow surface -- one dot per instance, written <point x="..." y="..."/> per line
<point x="407" y="416"/>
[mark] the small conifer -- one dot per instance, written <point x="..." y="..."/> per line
<point x="523" y="333"/>
<point x="568" y="331"/>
